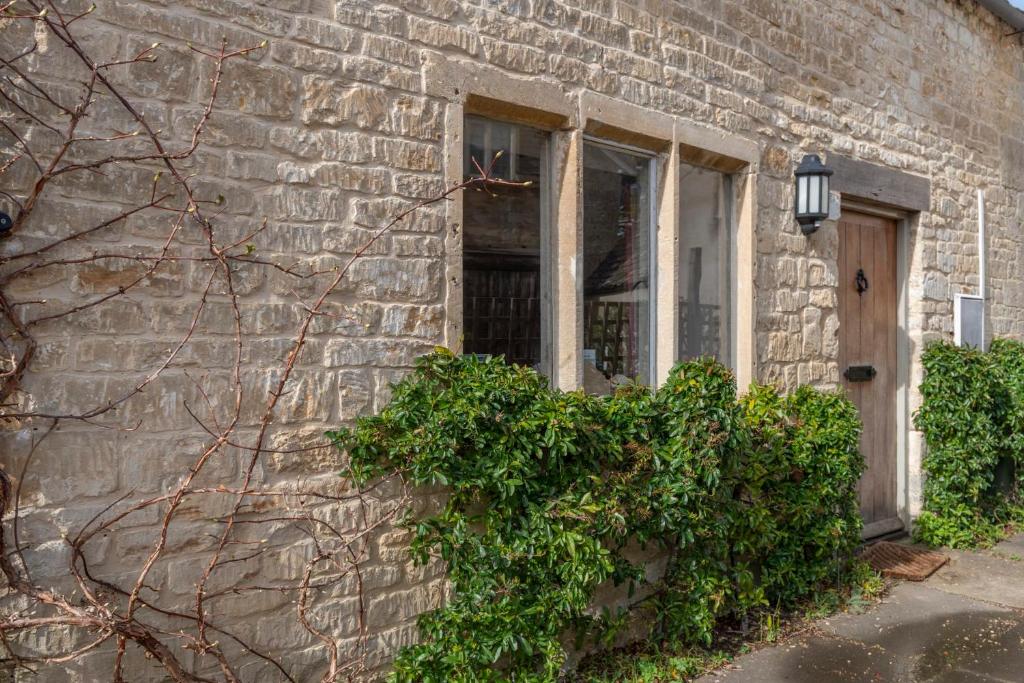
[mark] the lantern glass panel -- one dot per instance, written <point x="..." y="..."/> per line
<point x="814" y="195"/>
<point x="824" y="193"/>
<point x="801" y="193"/>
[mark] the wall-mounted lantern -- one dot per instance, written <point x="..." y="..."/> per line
<point x="812" y="181"/>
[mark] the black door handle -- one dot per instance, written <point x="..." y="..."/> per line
<point x="860" y="373"/>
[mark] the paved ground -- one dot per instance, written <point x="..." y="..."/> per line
<point x="964" y="625"/>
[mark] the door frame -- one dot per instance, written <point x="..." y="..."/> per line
<point x="904" y="220"/>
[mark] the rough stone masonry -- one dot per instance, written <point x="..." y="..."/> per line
<point x="335" y="127"/>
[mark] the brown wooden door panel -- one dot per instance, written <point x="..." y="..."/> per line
<point x="868" y="337"/>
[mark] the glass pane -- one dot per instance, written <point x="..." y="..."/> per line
<point x="704" y="264"/>
<point x="814" y="194"/>
<point x="484" y="140"/>
<point x="501" y="242"/>
<point x="801" y="194"/>
<point x="616" y="268"/>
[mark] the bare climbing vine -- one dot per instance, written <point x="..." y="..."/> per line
<point x="52" y="137"/>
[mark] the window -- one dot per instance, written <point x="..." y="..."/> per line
<point x="617" y="266"/>
<point x="704" y="264"/>
<point x="502" y="245"/>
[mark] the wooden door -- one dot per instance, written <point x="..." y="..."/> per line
<point x="868" y="297"/>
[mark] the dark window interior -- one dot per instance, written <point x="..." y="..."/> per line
<point x="502" y="244"/>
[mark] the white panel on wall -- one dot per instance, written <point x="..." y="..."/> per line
<point x="968" y="320"/>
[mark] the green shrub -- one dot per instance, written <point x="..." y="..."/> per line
<point x="972" y="418"/>
<point x="799" y="508"/>
<point x="1008" y="356"/>
<point x="752" y="502"/>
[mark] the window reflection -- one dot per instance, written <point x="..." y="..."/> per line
<point x="617" y="257"/>
<point x="704" y="260"/>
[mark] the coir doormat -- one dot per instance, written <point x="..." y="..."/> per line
<point x="903" y="561"/>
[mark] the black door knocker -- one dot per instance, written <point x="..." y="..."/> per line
<point x="862" y="282"/>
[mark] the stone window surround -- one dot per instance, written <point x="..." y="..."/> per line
<point x="570" y="117"/>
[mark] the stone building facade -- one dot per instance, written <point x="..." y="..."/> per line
<point x="357" y="109"/>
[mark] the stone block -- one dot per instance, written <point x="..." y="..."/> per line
<point x="426" y="322"/>
<point x="307" y="396"/>
<point x="390" y="279"/>
<point x="518" y="58"/>
<point x="397" y="606"/>
<point x="373" y="352"/>
<point x="391" y="50"/>
<point x="226" y="129"/>
<point x="298" y="204"/>
<point x="349" y="240"/>
<point x="355" y="393"/>
<point x="251" y="166"/>
<point x="349" y="320"/>
<point x="305" y="58"/>
<point x="257" y="89"/>
<point x="408" y="155"/>
<point x="332" y="102"/>
<point x="68" y="467"/>
<point x="392" y="76"/>
<point x="440" y="9"/>
<point x="116" y="316"/>
<point x="325" y="34"/>
<point x="442" y="35"/>
<point x="328" y="145"/>
<point x="248" y="14"/>
<point x="174" y="73"/>
<point x="339" y="618"/>
<point x="416" y="117"/>
<point x="376" y="213"/>
<point x="418" y="186"/>
<point x="347" y="177"/>
<point x="206" y="33"/>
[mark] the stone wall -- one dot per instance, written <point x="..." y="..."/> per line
<point x="330" y="130"/>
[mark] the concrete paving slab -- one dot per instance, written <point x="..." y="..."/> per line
<point x="973" y="643"/>
<point x="932" y="632"/>
<point x="982" y="576"/>
<point x="910" y="603"/>
<point x="1011" y="548"/>
<point x="964" y="625"/>
<point x="814" y="659"/>
<point x="1001" y="657"/>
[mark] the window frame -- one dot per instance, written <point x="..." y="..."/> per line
<point x="567" y="118"/>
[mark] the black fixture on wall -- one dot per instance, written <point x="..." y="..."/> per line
<point x="812" y="186"/>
